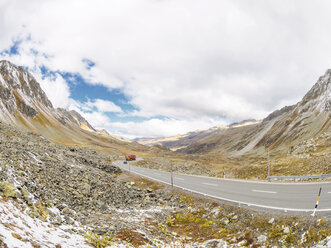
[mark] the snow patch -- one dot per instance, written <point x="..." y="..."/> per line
<point x="35" y="157"/>
<point x="18" y="229"/>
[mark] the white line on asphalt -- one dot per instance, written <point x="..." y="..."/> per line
<point x="329" y="192"/>
<point x="211" y="184"/>
<point x="264" y="191"/>
<point x="255" y="181"/>
<point x="178" y="178"/>
<point x="240" y="202"/>
<point x="250" y="181"/>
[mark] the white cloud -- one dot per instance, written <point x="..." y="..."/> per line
<point x="104" y="106"/>
<point x="97" y="119"/>
<point x="55" y="86"/>
<point x="56" y="90"/>
<point x="187" y="60"/>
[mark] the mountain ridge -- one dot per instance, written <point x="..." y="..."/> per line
<point x="23" y="93"/>
<point x="24" y="104"/>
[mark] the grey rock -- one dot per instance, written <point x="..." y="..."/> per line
<point x="271" y="221"/>
<point x="225" y="221"/>
<point x="262" y="239"/>
<point x="286" y="229"/>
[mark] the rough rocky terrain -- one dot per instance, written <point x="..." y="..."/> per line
<point x="81" y="183"/>
<point x="60" y="196"/>
<point x="178" y="165"/>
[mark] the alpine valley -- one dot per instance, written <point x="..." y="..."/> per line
<point x="59" y="186"/>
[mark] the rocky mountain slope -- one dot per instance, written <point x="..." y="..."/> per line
<point x="21" y="98"/>
<point x="24" y="104"/>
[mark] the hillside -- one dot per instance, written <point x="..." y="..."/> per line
<point x="24" y="104"/>
<point x="180" y="142"/>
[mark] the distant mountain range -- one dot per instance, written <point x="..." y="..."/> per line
<point x="178" y="142"/>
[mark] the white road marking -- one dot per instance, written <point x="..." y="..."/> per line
<point x="246" y="203"/>
<point x="264" y="191"/>
<point x="329" y="192"/>
<point x="255" y="181"/>
<point x="178" y="178"/>
<point x="211" y="184"/>
<point x="240" y="202"/>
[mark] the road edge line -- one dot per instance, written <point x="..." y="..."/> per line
<point x="234" y="201"/>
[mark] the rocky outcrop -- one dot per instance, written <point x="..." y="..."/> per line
<point x="73" y="118"/>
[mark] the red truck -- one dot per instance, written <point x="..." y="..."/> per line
<point x="130" y="157"/>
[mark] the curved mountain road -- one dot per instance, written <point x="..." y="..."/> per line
<point x="294" y="197"/>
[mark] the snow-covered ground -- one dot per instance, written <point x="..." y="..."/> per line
<point x="18" y="229"/>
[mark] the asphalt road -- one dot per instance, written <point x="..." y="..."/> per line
<point x="296" y="197"/>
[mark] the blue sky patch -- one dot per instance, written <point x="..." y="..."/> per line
<point x="81" y="91"/>
<point x="13" y="50"/>
<point x="88" y="63"/>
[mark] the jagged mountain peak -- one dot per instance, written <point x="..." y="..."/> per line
<point x="22" y="101"/>
<point x="17" y="82"/>
<point x="74" y="117"/>
<point x="319" y="96"/>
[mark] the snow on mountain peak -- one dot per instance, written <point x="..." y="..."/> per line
<point x="21" y="97"/>
<point x="319" y="97"/>
<point x="18" y="82"/>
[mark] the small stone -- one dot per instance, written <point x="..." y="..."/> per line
<point x="286" y="230"/>
<point x="271" y="221"/>
<point x="149" y="190"/>
<point x="101" y="230"/>
<point x="225" y="221"/>
<point x="262" y="239"/>
<point x="68" y="220"/>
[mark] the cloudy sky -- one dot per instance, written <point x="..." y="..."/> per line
<point x="151" y="68"/>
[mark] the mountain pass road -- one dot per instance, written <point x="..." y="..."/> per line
<point x="279" y="196"/>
